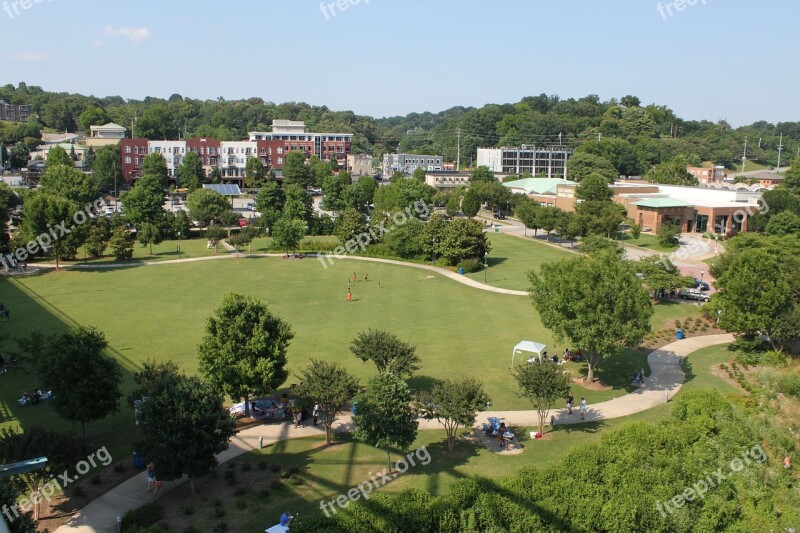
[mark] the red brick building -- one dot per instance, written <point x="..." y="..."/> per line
<point x="208" y="150"/>
<point x="131" y="155"/>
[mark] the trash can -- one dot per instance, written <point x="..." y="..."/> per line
<point x="138" y="462"/>
<point x="680" y="335"/>
<point x="355" y="408"/>
<point x="461" y="271"/>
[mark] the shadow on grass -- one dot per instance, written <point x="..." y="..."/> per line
<point x="617" y="371"/>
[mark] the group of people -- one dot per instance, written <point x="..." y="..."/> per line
<point x="5" y="312"/>
<point x="33" y="397"/>
<point x="570" y="402"/>
<point x="152" y="482"/>
<point x="638" y="377"/>
<point x="568" y="356"/>
<point x="353" y="280"/>
<point x="3" y="368"/>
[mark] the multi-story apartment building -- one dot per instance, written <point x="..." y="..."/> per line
<point x="549" y="161"/>
<point x="15" y="112"/>
<point x="707" y="176"/>
<point x="131" y="154"/>
<point x="234" y="158"/>
<point x="408" y="163"/>
<point x="208" y="149"/>
<point x="291" y="136"/>
<point x="173" y="152"/>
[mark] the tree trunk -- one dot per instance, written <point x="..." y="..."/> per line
<point x="151" y="247"/>
<point x="328" y="431"/>
<point x="246" y="406"/>
<point x="388" y="459"/>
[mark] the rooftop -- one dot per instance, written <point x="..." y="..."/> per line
<point x="538" y="185"/>
<point x="658" y="203"/>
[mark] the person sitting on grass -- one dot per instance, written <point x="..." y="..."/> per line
<point x="286" y="519"/>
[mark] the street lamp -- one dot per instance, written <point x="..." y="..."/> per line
<point x="485" y="266"/>
<point x="434" y="249"/>
<point x="702" y="273"/>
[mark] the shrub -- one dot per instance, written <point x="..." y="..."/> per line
<point x="275" y="468"/>
<point x="790" y="385"/>
<point x="145" y="516"/>
<point x="246" y="466"/>
<point x="296" y="480"/>
<point x="262" y="465"/>
<point x="470" y="265"/>
<point x="187" y="510"/>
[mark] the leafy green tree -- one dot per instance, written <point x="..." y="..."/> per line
<point x="367" y="186"/>
<point x="600" y="217"/>
<point x="547" y="218"/>
<point x="333" y="187"/>
<point x="269" y="202"/>
<point x="183" y="427"/>
<point x="57" y="156"/>
<point x="155" y="165"/>
<point x="433" y="236"/>
<point x="215" y="176"/>
<point x="387" y="351"/>
<point x="149" y="234"/>
<point x="18" y="156"/>
<point x="96" y="241"/>
<point x="464" y="239"/>
<point x="351" y="224"/>
<point x="400" y="194"/>
<point x="121" y="244"/>
<point x="147" y="378"/>
<point x="527" y="212"/>
<point x="93" y="116"/>
<point x="191" y="174"/>
<point x="452" y="204"/>
<point x="44" y="211"/>
<point x="214" y="234"/>
<point x="85" y="383"/>
<point x="69" y="183"/>
<point x="298" y="204"/>
<point x="753" y="300"/>
<point x="792" y="177"/>
<point x="24" y="523"/>
<point x="106" y="169"/>
<point x="785" y="223"/>
<point x="597" y="302"/>
<point x="144" y="203"/>
<point x="471" y="204"/>
<point x="406" y="240"/>
<point x="330" y="386"/>
<point x="419" y="174"/>
<point x="296" y="171"/>
<point x="243" y="352"/>
<point x="481" y="174"/>
<point x="583" y="164"/>
<point x="672" y="172"/>
<point x="287" y="233"/>
<point x="63" y="451"/>
<point x="594" y="187"/>
<point x="158" y="121"/>
<point x="669" y="234"/>
<point x="206" y="206"/>
<point x="384" y="417"/>
<point x="660" y="275"/>
<point x="254" y="172"/>
<point x="456" y="402"/>
<point x="594" y="244"/>
<point x="543" y="385"/>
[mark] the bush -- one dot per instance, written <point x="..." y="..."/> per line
<point x="246" y="466"/>
<point x="790" y="385"/>
<point x="470" y="265"/>
<point x="187" y="510"/>
<point x="144" y="516"/>
<point x="262" y="465"/>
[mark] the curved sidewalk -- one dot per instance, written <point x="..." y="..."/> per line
<point x="666" y="378"/>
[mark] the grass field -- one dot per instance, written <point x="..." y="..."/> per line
<point x="648" y="241"/>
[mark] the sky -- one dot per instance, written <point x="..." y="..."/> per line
<point x="728" y="60"/>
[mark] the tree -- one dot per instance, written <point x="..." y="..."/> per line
<point x="183" y="427"/>
<point x="149" y="234"/>
<point x="456" y="403"/>
<point x="155" y="165"/>
<point x="672" y="172"/>
<point x="96" y="241"/>
<point x="351" y="224"/>
<point x="593" y="244"/>
<point x="191" y="174"/>
<point x="785" y="223"/>
<point x="206" y="206"/>
<point x="464" y="239"/>
<point x="583" y="164"/>
<point x="69" y="183"/>
<point x="44" y="211"/>
<point x="433" y="236"/>
<point x="597" y="302"/>
<point x="214" y="234"/>
<point x="527" y="212"/>
<point x="269" y="202"/>
<point x="669" y="234"/>
<point x="24" y="523"/>
<point x="384" y="417"/>
<point x="543" y="385"/>
<point x="333" y="187"/>
<point x="243" y="352"/>
<point x="481" y="174"/>
<point x="594" y="187"/>
<point x="62" y="450"/>
<point x="144" y="203"/>
<point x="452" y="205"/>
<point x="471" y="204"/>
<point x="547" y="218"/>
<point x="419" y="174"/>
<point x="388" y="352"/>
<point x="106" y="169"/>
<point x="147" y="378"/>
<point x="753" y="300"/>
<point x="18" y="157"/>
<point x="330" y="386"/>
<point x="254" y="172"/>
<point x="92" y="116"/>
<point x="121" y="244"/>
<point x="792" y="177"/>
<point x="85" y="383"/>
<point x="296" y="171"/>
<point x="406" y="240"/>
<point x="287" y="233"/>
<point x="57" y="156"/>
<point x="298" y="204"/>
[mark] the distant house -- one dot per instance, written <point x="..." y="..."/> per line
<point x="709" y="175"/>
<point x="104" y="135"/>
<point x="14" y="112"/>
<point x="446" y="181"/>
<point x="359" y="165"/>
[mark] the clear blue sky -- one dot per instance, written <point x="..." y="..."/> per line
<point x="717" y="59"/>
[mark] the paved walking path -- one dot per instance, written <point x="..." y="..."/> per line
<point x="666" y="378"/>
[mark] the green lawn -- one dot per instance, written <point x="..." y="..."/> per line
<point x="165" y="251"/>
<point x="648" y="241"/>
<point x="511" y="258"/>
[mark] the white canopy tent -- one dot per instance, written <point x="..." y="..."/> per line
<point x="527" y="346"/>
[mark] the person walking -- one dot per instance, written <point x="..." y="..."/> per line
<point x="583" y="408"/>
<point x="570" y="402"/>
<point x="315" y="413"/>
<point x="366" y="277"/>
<point x="354" y="277"/>
<point x="349" y="296"/>
<point x="151" y="476"/>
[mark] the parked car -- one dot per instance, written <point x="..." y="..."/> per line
<point x="242" y="222"/>
<point x="702" y="285"/>
<point x="499" y="216"/>
<point x="249" y="206"/>
<point x="175" y="201"/>
<point x="693" y="294"/>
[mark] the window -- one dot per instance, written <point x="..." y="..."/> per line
<point x="280" y="150"/>
<point x="128" y="149"/>
<point x="280" y="160"/>
<point x="127" y="160"/>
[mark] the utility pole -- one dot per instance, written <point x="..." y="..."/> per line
<point x="780" y="149"/>
<point x="744" y="155"/>
<point x="458" y="143"/>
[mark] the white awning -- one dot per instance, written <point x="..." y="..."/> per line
<point x="529" y="347"/>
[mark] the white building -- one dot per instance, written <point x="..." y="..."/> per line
<point x="234" y="156"/>
<point x="408" y="163"/>
<point x="173" y="152"/>
<point x="538" y="161"/>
